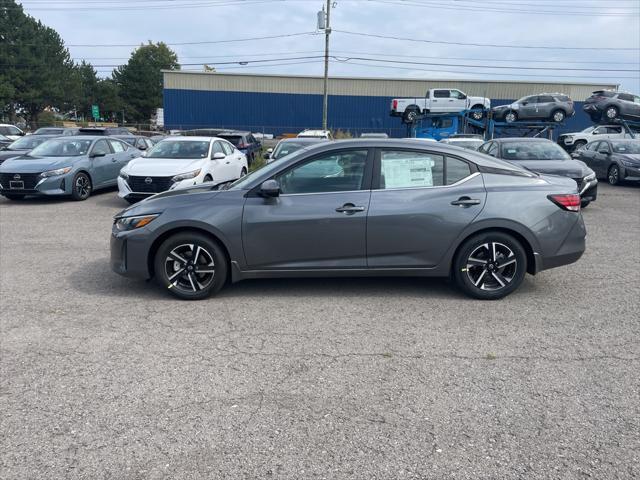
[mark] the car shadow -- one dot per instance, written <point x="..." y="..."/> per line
<point x="55" y="199"/>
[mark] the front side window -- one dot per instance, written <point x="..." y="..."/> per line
<point x="545" y="99"/>
<point x="331" y="172"/>
<point x="592" y="147"/>
<point x="493" y="150"/>
<point x="101" y="148"/>
<point x="403" y="169"/>
<point x="61" y="148"/>
<point x="457" y="94"/>
<point x="217" y="148"/>
<point x="228" y="149"/>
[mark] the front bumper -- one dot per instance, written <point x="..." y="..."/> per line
<point x="589" y="191"/>
<point x="129" y="253"/>
<point x="125" y="191"/>
<point x="630" y="174"/>
<point x="58" y="185"/>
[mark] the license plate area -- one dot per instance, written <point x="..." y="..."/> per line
<point x="16" y="185"/>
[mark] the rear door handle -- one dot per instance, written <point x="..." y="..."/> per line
<point x="349" y="209"/>
<point x="465" y="202"/>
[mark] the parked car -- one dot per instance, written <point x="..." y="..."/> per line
<point x="57" y="131"/>
<point x="615" y="160"/>
<point x="156" y="138"/>
<point x="65" y="166"/>
<point x="10" y="131"/>
<point x="203" y="132"/>
<point x="326" y="134"/>
<point x="374" y="135"/>
<point x="439" y="100"/>
<point x="138" y="141"/>
<point x="544" y="106"/>
<point x="245" y="142"/>
<point x="608" y="105"/>
<point x="4" y="141"/>
<point x="472" y="142"/>
<point x="543" y="156"/>
<point x="287" y="146"/>
<point x="576" y="140"/>
<point x="23" y="145"/>
<point x="104" y="131"/>
<point x="357" y="208"/>
<point x="178" y="162"/>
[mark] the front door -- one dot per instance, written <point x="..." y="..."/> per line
<point x="529" y="108"/>
<point x="457" y="101"/>
<point x="102" y="163"/>
<point x="318" y="221"/>
<point x="422" y="204"/>
<point x="601" y="159"/>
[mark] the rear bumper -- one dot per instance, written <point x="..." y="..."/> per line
<point x="570" y="250"/>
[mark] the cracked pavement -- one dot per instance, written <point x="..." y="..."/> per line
<point x="108" y="378"/>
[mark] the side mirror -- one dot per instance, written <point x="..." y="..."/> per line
<point x="524" y="103"/>
<point x="270" y="188"/>
<point x="269" y="150"/>
<point x="604" y="152"/>
<point x="97" y="154"/>
<point x="218" y="156"/>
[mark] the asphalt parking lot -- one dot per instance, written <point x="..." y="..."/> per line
<point x="108" y="378"/>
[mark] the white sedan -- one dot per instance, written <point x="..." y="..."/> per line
<point x="178" y="162"/>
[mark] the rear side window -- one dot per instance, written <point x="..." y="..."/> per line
<point x="455" y="170"/>
<point x="441" y="93"/>
<point x="614" y="129"/>
<point x="626" y="97"/>
<point x="592" y="146"/>
<point x="545" y="99"/>
<point x="604" y="93"/>
<point x="117" y="146"/>
<point x="563" y="98"/>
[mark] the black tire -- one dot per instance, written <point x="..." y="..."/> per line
<point x="207" y="178"/>
<point x="611" y="113"/>
<point x="510" y="116"/>
<point x="481" y="274"/>
<point x="13" y="196"/>
<point x="131" y="201"/>
<point x="81" y="186"/>
<point x="243" y="172"/>
<point x="558" y="116"/>
<point x="479" y="115"/>
<point x="585" y="203"/>
<point x="176" y="254"/>
<point x="578" y="145"/>
<point x="613" y="175"/>
<point x="410" y="115"/>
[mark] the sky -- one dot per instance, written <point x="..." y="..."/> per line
<point x="578" y="36"/>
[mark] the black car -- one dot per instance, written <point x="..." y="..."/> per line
<point x="111" y="131"/>
<point x="57" y="131"/>
<point x="615" y="160"/>
<point x="243" y="141"/>
<point x="140" y="142"/>
<point x="23" y="145"/>
<point x="607" y="105"/>
<point x="544" y="156"/>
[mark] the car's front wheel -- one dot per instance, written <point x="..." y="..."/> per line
<point x="81" y="188"/>
<point x="613" y="175"/>
<point x="490" y="265"/>
<point x="558" y="116"/>
<point x="510" y="117"/>
<point x="191" y="266"/>
<point x="579" y="144"/>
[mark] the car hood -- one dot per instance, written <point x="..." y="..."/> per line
<point x="24" y="164"/>
<point x="4" y="154"/>
<point x="564" y="168"/>
<point x="171" y="198"/>
<point x="161" y="167"/>
<point x="635" y="157"/>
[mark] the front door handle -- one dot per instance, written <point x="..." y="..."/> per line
<point x="349" y="209"/>
<point x="465" y="202"/>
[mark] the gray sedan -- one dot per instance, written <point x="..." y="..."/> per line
<point x="66" y="166"/>
<point x="357" y="208"/>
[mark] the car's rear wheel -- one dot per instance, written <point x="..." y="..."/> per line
<point x="191" y="266"/>
<point x="13" y="196"/>
<point x="410" y="115"/>
<point x="558" y="116"/>
<point x="478" y="112"/>
<point x="613" y="175"/>
<point x="510" y="117"/>
<point x="611" y="112"/>
<point x="81" y="186"/>
<point x="585" y="203"/>
<point x="490" y="265"/>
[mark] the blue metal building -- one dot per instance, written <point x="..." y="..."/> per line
<point x="279" y="104"/>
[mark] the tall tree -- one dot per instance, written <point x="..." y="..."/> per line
<point x="140" y="80"/>
<point x="37" y="71"/>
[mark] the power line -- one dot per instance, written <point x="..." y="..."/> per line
<point x="443" y="42"/>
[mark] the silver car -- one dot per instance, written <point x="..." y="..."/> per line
<point x="554" y="107"/>
<point x="357" y="208"/>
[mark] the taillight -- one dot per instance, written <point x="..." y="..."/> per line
<point x="241" y="146"/>
<point x="395" y="104"/>
<point x="570" y="202"/>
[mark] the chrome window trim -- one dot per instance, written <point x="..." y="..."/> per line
<point x="459" y="182"/>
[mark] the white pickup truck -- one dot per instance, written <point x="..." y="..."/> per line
<point x="439" y="100"/>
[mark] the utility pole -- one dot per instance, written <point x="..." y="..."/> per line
<point x="327" y="32"/>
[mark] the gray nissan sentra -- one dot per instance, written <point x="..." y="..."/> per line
<point x="357" y="208"/>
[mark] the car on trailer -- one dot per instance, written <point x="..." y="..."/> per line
<point x="608" y="105"/>
<point x="554" y="107"/>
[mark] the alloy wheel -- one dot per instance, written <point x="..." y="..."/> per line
<point x="492" y="266"/>
<point x="614" y="175"/>
<point x="189" y="268"/>
<point x="83" y="186"/>
<point x="510" y="117"/>
<point x="558" y="116"/>
<point x="611" y="112"/>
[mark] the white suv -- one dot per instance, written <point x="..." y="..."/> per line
<point x="10" y="131"/>
<point x="574" y="141"/>
<point x="177" y="162"/>
<point x="316" y="134"/>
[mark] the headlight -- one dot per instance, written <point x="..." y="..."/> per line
<point x="186" y="176"/>
<point x="627" y="163"/>
<point x="53" y="173"/>
<point x="124" y="175"/>
<point x="588" y="178"/>
<point x="131" y="223"/>
<point x="568" y="138"/>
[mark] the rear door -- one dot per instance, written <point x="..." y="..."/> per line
<point x="420" y="204"/>
<point x="546" y="104"/>
<point x="319" y="220"/>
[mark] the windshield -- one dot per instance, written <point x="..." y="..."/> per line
<point x="626" y="147"/>
<point x="589" y="129"/>
<point x="47" y="131"/>
<point x="470" y="144"/>
<point x="26" y="143"/>
<point x="533" y="151"/>
<point x="61" y="148"/>
<point x="179" y="149"/>
<point x="285" y="148"/>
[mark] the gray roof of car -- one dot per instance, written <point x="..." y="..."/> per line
<point x="521" y="139"/>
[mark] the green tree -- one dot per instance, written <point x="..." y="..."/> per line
<point x="140" y="80"/>
<point x="36" y="70"/>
